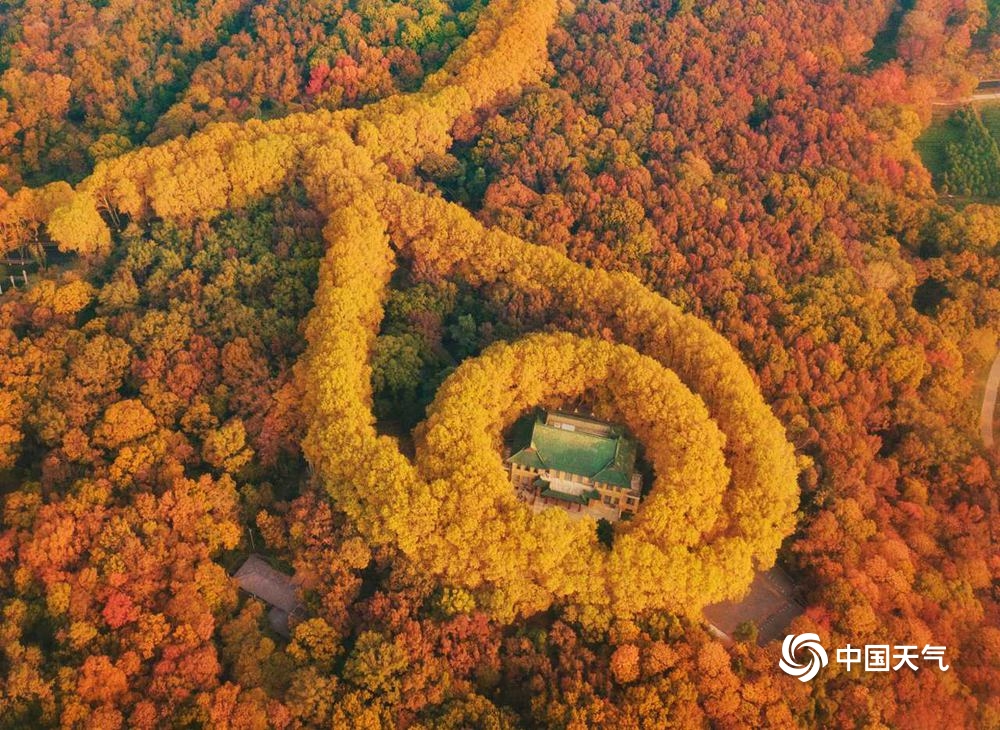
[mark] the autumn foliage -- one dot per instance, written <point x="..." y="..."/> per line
<point x="457" y="537"/>
<point x="288" y="218"/>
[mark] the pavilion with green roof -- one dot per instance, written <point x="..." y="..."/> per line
<point x="578" y="460"/>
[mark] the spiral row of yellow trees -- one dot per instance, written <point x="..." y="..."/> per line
<point x="725" y="490"/>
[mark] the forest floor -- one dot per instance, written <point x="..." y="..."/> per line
<point x="56" y="263"/>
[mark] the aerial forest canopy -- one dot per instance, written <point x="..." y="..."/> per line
<point x="498" y="198"/>
<point x="455" y="526"/>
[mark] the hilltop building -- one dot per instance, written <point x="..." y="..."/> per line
<point x="581" y="464"/>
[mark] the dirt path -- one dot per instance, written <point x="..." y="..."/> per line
<point x="989" y="408"/>
<point x="988" y="90"/>
<point x="985" y="96"/>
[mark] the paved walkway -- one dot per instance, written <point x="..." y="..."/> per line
<point x="986" y="91"/>
<point x="597" y="510"/>
<point x="984" y="96"/>
<point x="771" y="604"/>
<point x="987" y="428"/>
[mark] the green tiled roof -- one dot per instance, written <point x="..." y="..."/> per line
<point x="607" y="459"/>
<point x="575" y="498"/>
<point x="619" y="472"/>
<point x="528" y="458"/>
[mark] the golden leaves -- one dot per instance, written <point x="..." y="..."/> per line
<point x="726" y="488"/>
<point x="692" y="543"/>
<point x="124" y="421"/>
<point x="78" y="227"/>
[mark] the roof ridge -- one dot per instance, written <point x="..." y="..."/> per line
<point x="614" y="459"/>
<point x="558" y="429"/>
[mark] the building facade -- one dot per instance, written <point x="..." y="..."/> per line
<point x="581" y="464"/>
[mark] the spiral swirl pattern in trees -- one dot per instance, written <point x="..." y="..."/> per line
<point x="725" y="492"/>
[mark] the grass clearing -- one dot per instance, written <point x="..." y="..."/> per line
<point x="944" y="130"/>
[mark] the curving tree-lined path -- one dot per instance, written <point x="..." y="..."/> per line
<point x="987" y="413"/>
<point x="695" y="540"/>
